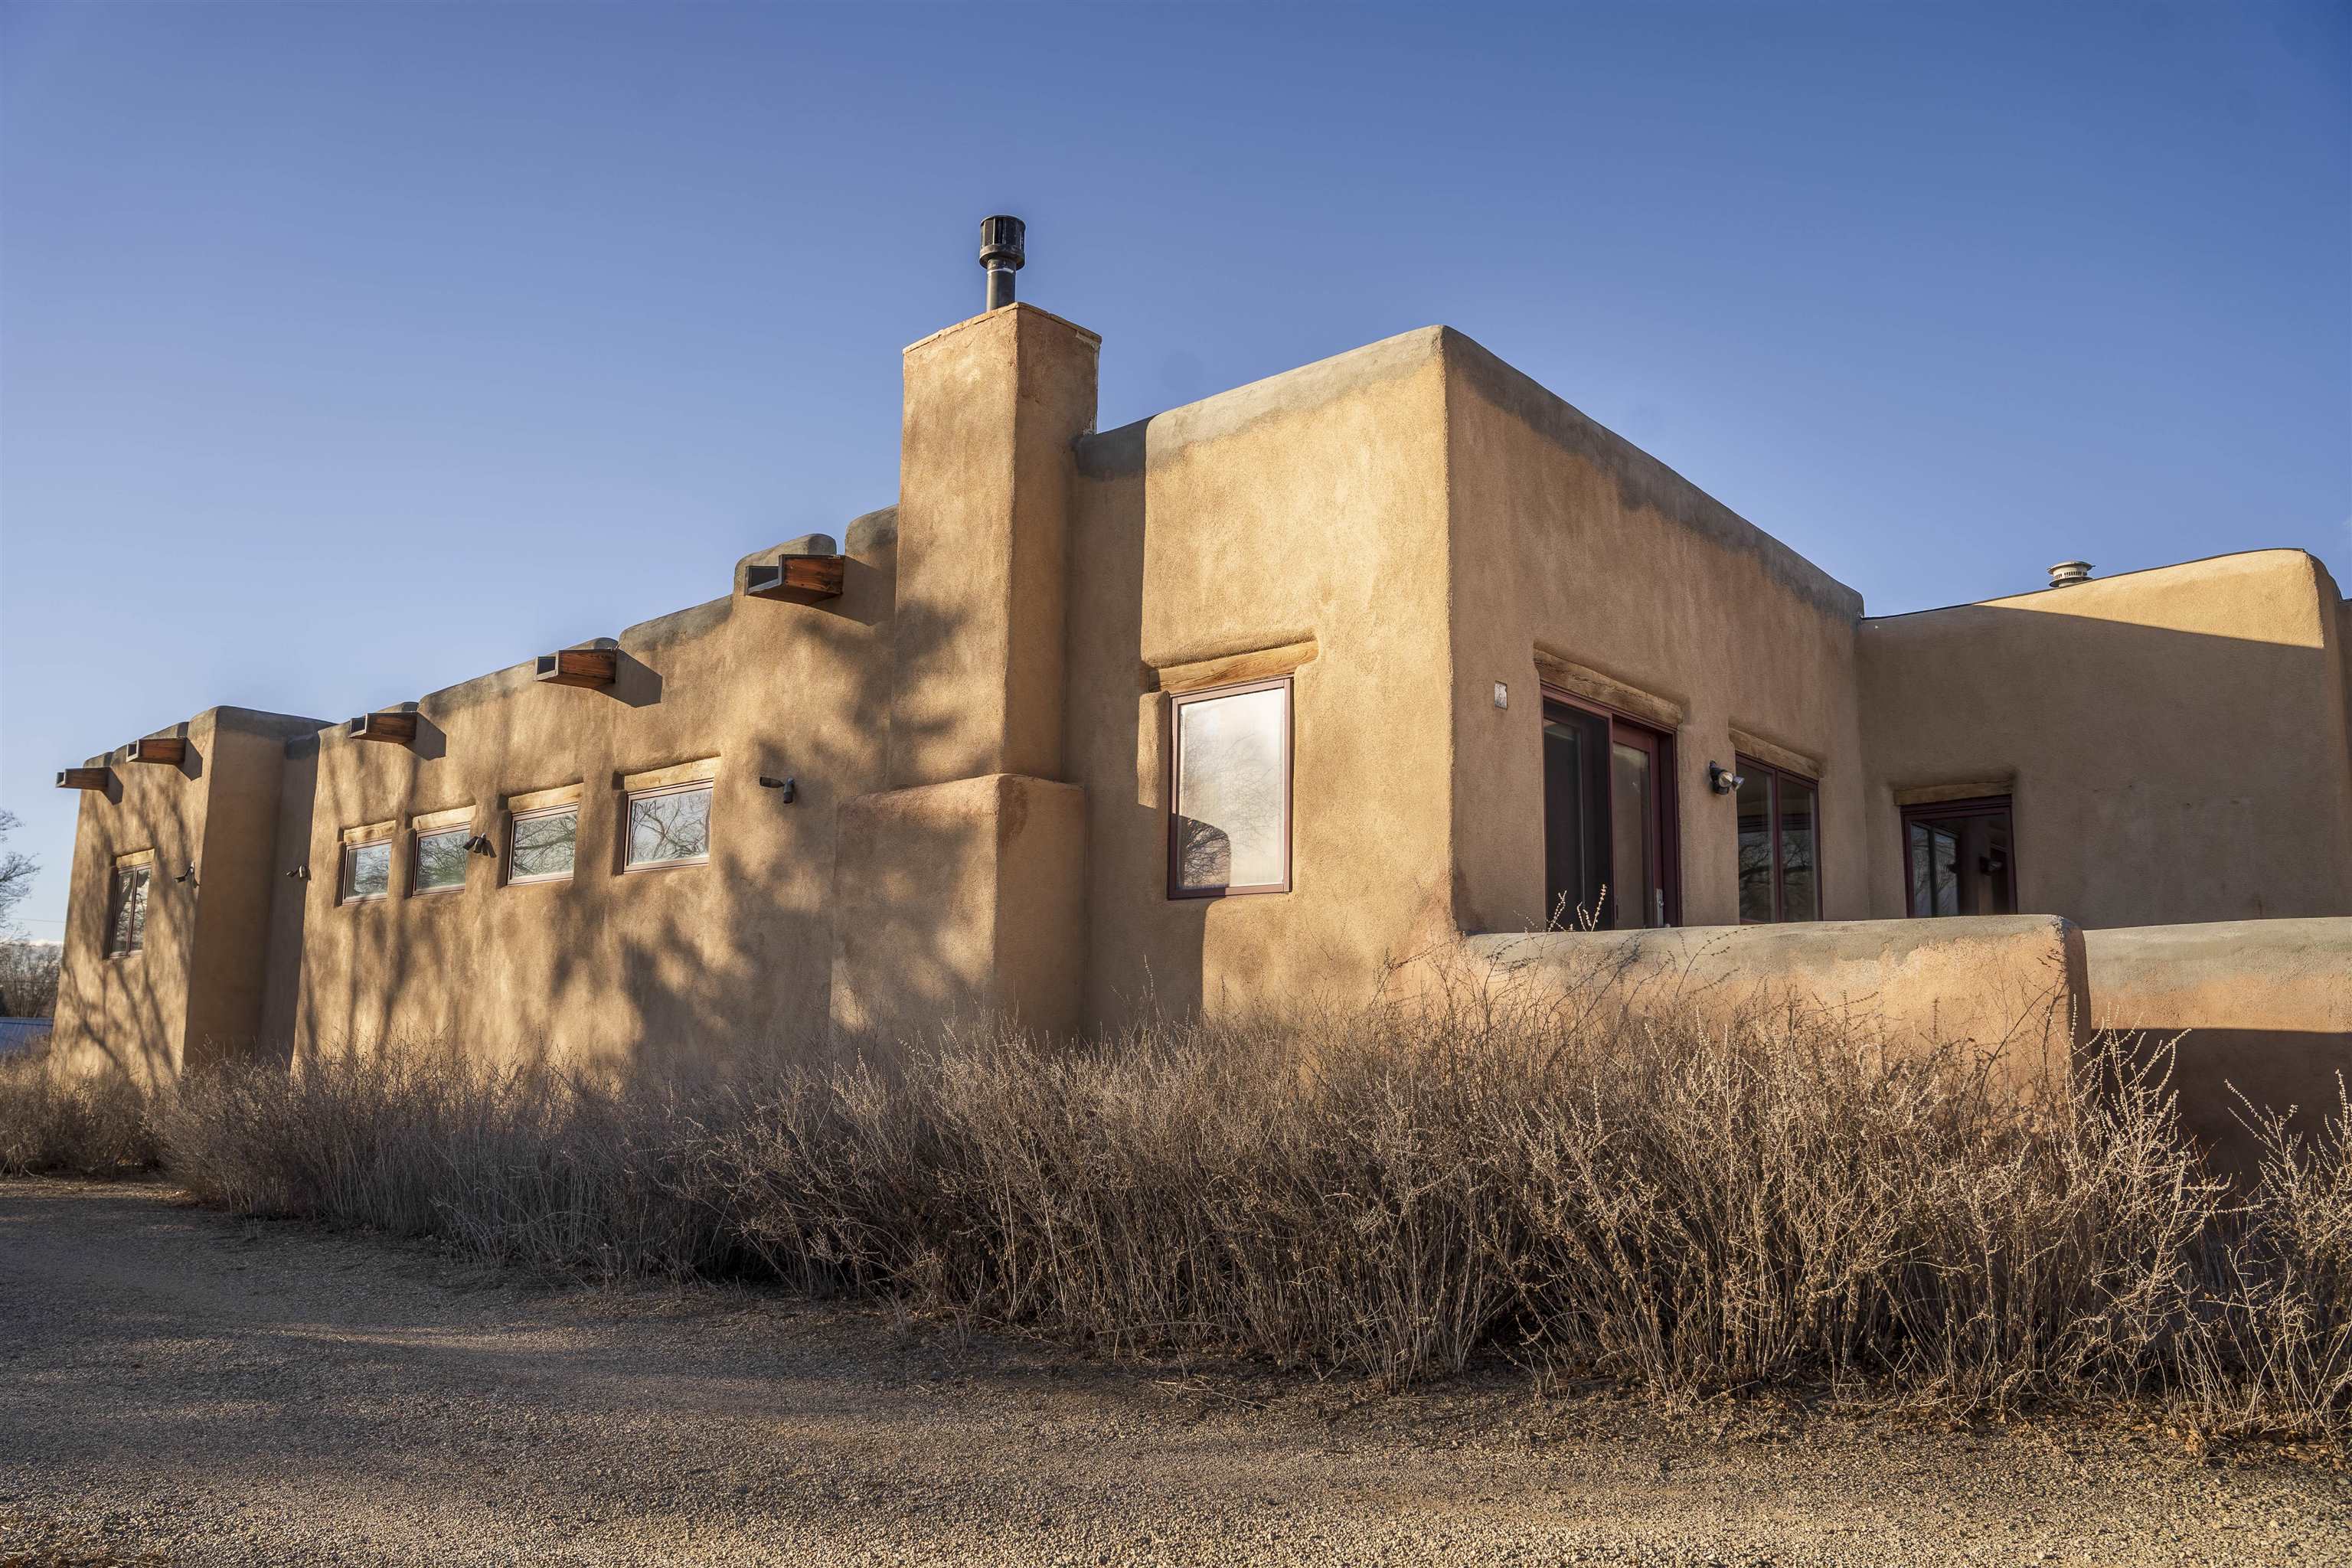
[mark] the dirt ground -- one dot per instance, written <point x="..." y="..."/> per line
<point x="185" y="1388"/>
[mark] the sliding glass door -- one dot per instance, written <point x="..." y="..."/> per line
<point x="1608" y="825"/>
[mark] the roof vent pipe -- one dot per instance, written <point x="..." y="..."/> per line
<point x="2067" y="574"/>
<point x="1001" y="251"/>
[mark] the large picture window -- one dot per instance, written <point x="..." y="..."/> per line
<point x="669" y="827"/>
<point x="1229" y="819"/>
<point x="1957" y="858"/>
<point x="126" y="914"/>
<point x="367" y="871"/>
<point x="540" y="844"/>
<point x="1609" y="819"/>
<point x="1780" y="844"/>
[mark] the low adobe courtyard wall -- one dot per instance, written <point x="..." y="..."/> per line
<point x="2262" y="1008"/>
<point x="2010" y="987"/>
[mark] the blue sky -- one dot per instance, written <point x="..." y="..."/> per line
<point x="348" y="351"/>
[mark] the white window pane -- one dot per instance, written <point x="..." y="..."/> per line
<point x="369" y="869"/>
<point x="675" y="827"/>
<point x="1231" y="790"/>
<point x="544" y="845"/>
<point x="441" y="859"/>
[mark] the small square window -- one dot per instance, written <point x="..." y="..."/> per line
<point x="126" y="925"/>
<point x="367" y="871"/>
<point x="440" y="865"/>
<point x="669" y="827"/>
<point x="540" y="845"/>
<point x="1229" y="819"/>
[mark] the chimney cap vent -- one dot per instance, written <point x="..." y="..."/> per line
<point x="1002" y="242"/>
<point x="2067" y="573"/>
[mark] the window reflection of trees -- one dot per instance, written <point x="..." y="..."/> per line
<point x="544" y="844"/>
<point x="128" y="926"/>
<point x="370" y="873"/>
<point x="441" y="859"/>
<point x="674" y="826"/>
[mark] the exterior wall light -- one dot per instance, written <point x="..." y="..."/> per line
<point x="789" y="786"/>
<point x="1502" y="694"/>
<point x="1722" y="780"/>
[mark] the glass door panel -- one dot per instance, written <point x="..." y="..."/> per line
<point x="1608" y="820"/>
<point x="1576" y="816"/>
<point x="1801" y="896"/>
<point x="1634" y="837"/>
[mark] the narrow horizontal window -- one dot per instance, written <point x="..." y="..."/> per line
<point x="367" y="871"/>
<point x="1229" y="823"/>
<point x="540" y="844"/>
<point x="669" y="827"/>
<point x="440" y="862"/>
<point x="127" y="911"/>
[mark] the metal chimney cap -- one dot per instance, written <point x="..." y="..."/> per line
<point x="1001" y="239"/>
<point x="2067" y="574"/>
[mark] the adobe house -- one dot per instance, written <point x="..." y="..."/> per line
<point x="1254" y="700"/>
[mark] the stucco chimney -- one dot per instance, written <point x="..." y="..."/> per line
<point x="985" y="474"/>
<point x="2068" y="574"/>
<point x="960" y="888"/>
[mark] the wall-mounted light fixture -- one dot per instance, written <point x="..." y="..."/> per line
<point x="789" y="786"/>
<point x="1502" y="694"/>
<point x="299" y="873"/>
<point x="479" y="844"/>
<point x="187" y="873"/>
<point x="1722" y="780"/>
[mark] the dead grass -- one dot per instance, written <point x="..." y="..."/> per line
<point x="54" y="1123"/>
<point x="1682" y="1207"/>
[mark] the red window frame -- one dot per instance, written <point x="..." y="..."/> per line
<point x="1746" y="766"/>
<point x="1974" y="806"/>
<point x="1660" y="743"/>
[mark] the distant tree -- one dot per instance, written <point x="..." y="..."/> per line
<point x="28" y="979"/>
<point x="17" y="871"/>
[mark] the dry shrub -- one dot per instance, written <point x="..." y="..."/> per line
<point x="1686" y="1206"/>
<point x="53" y="1122"/>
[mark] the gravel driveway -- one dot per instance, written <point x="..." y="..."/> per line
<point x="183" y="1388"/>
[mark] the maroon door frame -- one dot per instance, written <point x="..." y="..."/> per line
<point x="1742" y="763"/>
<point x="1667" y="838"/>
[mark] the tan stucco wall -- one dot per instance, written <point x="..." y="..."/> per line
<point x="194" y="992"/>
<point x="1300" y="518"/>
<point x="2176" y="736"/>
<point x="2261" y="1008"/>
<point x="681" y="960"/>
<point x="2011" y="989"/>
<point x="1570" y="543"/>
<point x="979" y="725"/>
<point x="958" y="898"/>
<point x="992" y="407"/>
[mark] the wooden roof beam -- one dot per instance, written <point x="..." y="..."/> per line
<point x="595" y="668"/>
